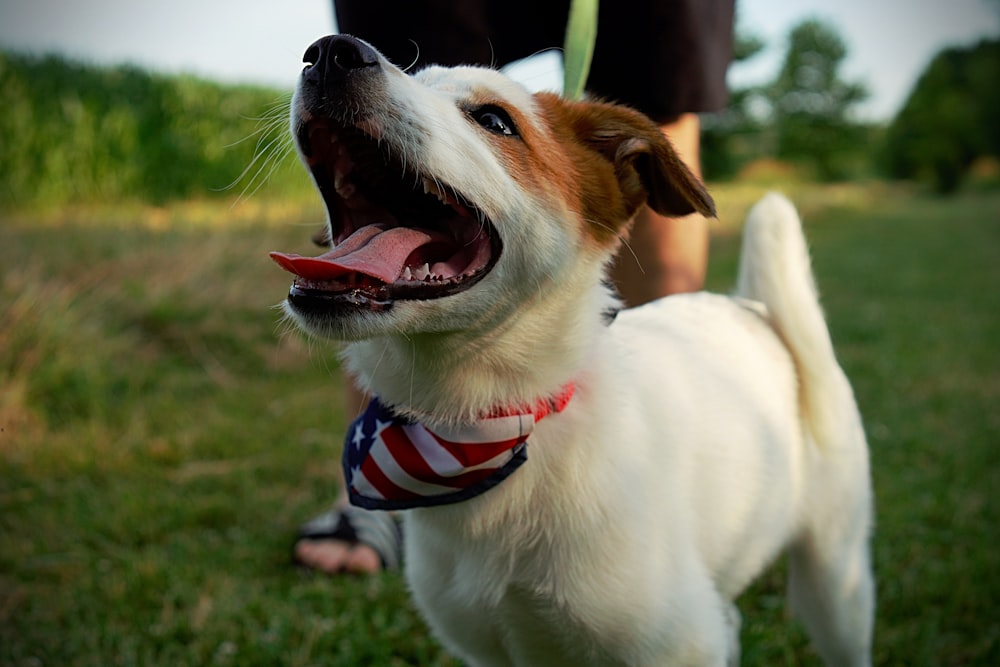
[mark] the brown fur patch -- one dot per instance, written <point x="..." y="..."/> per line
<point x="603" y="161"/>
<point x="545" y="163"/>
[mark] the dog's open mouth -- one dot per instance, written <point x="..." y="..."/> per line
<point x="396" y="233"/>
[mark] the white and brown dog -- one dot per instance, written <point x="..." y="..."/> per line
<point x="585" y="492"/>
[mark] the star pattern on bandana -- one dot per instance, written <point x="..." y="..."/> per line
<point x="395" y="462"/>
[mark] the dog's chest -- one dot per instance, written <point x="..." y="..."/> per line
<point x="523" y="585"/>
<point x="487" y="614"/>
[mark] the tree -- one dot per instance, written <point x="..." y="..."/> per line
<point x="810" y="104"/>
<point x="949" y="118"/>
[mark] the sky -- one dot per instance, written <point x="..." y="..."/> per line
<point x="262" y="41"/>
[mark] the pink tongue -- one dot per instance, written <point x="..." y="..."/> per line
<point x="381" y="254"/>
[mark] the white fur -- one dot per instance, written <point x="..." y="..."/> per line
<point x="707" y="434"/>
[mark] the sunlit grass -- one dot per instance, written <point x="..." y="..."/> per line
<point x="161" y="436"/>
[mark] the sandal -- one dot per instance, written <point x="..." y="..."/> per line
<point x="378" y="530"/>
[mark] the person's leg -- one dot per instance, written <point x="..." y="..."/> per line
<point x="666" y="255"/>
<point x="332" y="555"/>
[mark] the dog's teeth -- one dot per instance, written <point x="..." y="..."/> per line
<point x="422" y="272"/>
<point x="438" y="192"/>
<point x="432" y="188"/>
<point x="407" y="274"/>
<point x="342" y="168"/>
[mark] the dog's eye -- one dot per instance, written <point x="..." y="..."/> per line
<point x="495" y="120"/>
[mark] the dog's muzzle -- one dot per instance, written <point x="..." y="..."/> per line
<point x="397" y="232"/>
<point x="338" y="68"/>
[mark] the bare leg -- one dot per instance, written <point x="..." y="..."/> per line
<point x="334" y="556"/>
<point x="666" y="255"/>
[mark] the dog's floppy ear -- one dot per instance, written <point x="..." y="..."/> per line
<point x="646" y="165"/>
<point x="652" y="165"/>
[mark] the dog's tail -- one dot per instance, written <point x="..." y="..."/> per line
<point x="775" y="270"/>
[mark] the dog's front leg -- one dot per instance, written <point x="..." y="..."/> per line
<point x="734" y="622"/>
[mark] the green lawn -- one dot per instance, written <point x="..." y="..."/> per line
<point x="161" y="436"/>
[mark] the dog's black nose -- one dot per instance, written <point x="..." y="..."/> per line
<point x="330" y="59"/>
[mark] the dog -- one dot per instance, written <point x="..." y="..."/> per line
<point x="629" y="473"/>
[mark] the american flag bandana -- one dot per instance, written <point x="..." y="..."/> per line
<point x="392" y="462"/>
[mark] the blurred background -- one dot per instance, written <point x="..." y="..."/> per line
<point x="837" y="91"/>
<point x="161" y="434"/>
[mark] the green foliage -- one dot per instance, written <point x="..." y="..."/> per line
<point x="949" y="119"/>
<point x="802" y="118"/>
<point x="72" y="133"/>
<point x="810" y="104"/>
<point x="160" y="440"/>
<point x="729" y="137"/>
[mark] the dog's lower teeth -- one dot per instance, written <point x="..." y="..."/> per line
<point x="421" y="272"/>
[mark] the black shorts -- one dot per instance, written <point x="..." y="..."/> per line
<point x="664" y="57"/>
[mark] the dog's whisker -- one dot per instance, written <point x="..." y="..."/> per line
<point x="270" y="120"/>
<point x="286" y="325"/>
<point x="257" y="133"/>
<point x="377" y="365"/>
<point x="481" y="218"/>
<point x="270" y="151"/>
<point x="261" y="181"/>
<point x="269" y="115"/>
<point x="625" y="242"/>
<point x="413" y="366"/>
<point x="416" y="57"/>
<point x="274" y="158"/>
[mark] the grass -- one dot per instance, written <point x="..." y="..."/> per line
<point x="160" y="439"/>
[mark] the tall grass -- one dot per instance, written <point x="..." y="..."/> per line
<point x="72" y="133"/>
<point x="160" y="438"/>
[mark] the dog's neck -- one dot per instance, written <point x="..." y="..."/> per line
<point x="460" y="376"/>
